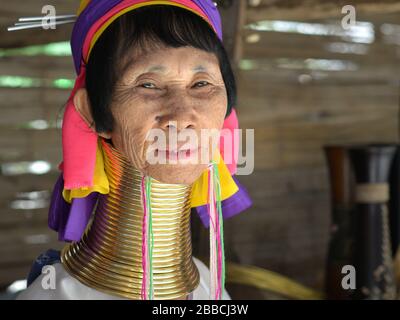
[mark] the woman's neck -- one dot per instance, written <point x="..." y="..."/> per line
<point x="109" y="255"/>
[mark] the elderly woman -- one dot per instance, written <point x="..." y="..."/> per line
<point x="142" y="66"/>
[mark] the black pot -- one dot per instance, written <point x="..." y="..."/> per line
<point x="372" y="248"/>
<point x="394" y="203"/>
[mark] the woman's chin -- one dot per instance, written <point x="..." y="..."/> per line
<point x="176" y="173"/>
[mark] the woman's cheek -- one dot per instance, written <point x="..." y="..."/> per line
<point x="219" y="107"/>
<point x="216" y="115"/>
<point x="129" y="140"/>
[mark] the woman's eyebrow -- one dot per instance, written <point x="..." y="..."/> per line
<point x="200" y="68"/>
<point x="157" y="68"/>
<point x="161" y="68"/>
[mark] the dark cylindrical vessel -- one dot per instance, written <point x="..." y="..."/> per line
<point x="394" y="203"/>
<point x="340" y="249"/>
<point x="372" y="248"/>
<point x="394" y="214"/>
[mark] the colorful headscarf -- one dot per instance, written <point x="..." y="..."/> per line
<point x="83" y="178"/>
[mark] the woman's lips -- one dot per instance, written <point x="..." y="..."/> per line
<point x="183" y="154"/>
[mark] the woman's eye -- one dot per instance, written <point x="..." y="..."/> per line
<point x="148" y="85"/>
<point x="201" y="84"/>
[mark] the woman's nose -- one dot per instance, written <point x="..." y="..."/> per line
<point x="178" y="122"/>
<point x="177" y="111"/>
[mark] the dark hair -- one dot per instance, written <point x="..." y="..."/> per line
<point x="143" y="28"/>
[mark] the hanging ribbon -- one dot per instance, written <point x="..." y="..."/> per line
<point x="217" y="254"/>
<point x="147" y="292"/>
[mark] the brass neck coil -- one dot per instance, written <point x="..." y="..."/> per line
<point x="109" y="255"/>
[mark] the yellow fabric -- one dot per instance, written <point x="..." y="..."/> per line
<point x="199" y="189"/>
<point x="99" y="32"/>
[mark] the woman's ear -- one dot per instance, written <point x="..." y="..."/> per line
<point x="82" y="105"/>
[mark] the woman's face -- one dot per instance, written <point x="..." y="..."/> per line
<point x="169" y="90"/>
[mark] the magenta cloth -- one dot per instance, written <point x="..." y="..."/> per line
<point x="79" y="144"/>
<point x="71" y="220"/>
<point x="231" y="134"/>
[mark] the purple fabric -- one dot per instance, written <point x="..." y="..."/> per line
<point x="96" y="9"/>
<point x="70" y="220"/>
<point x="232" y="206"/>
<point x="57" y="207"/>
<point x="93" y="12"/>
<point x="211" y="10"/>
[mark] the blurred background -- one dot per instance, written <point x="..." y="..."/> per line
<point x="304" y="82"/>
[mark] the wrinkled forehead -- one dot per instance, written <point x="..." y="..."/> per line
<point x="165" y="59"/>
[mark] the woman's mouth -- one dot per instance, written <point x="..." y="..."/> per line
<point x="184" y="154"/>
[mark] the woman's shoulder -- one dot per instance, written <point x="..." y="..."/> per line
<point x="55" y="283"/>
<point x="47" y="258"/>
<point x="48" y="280"/>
